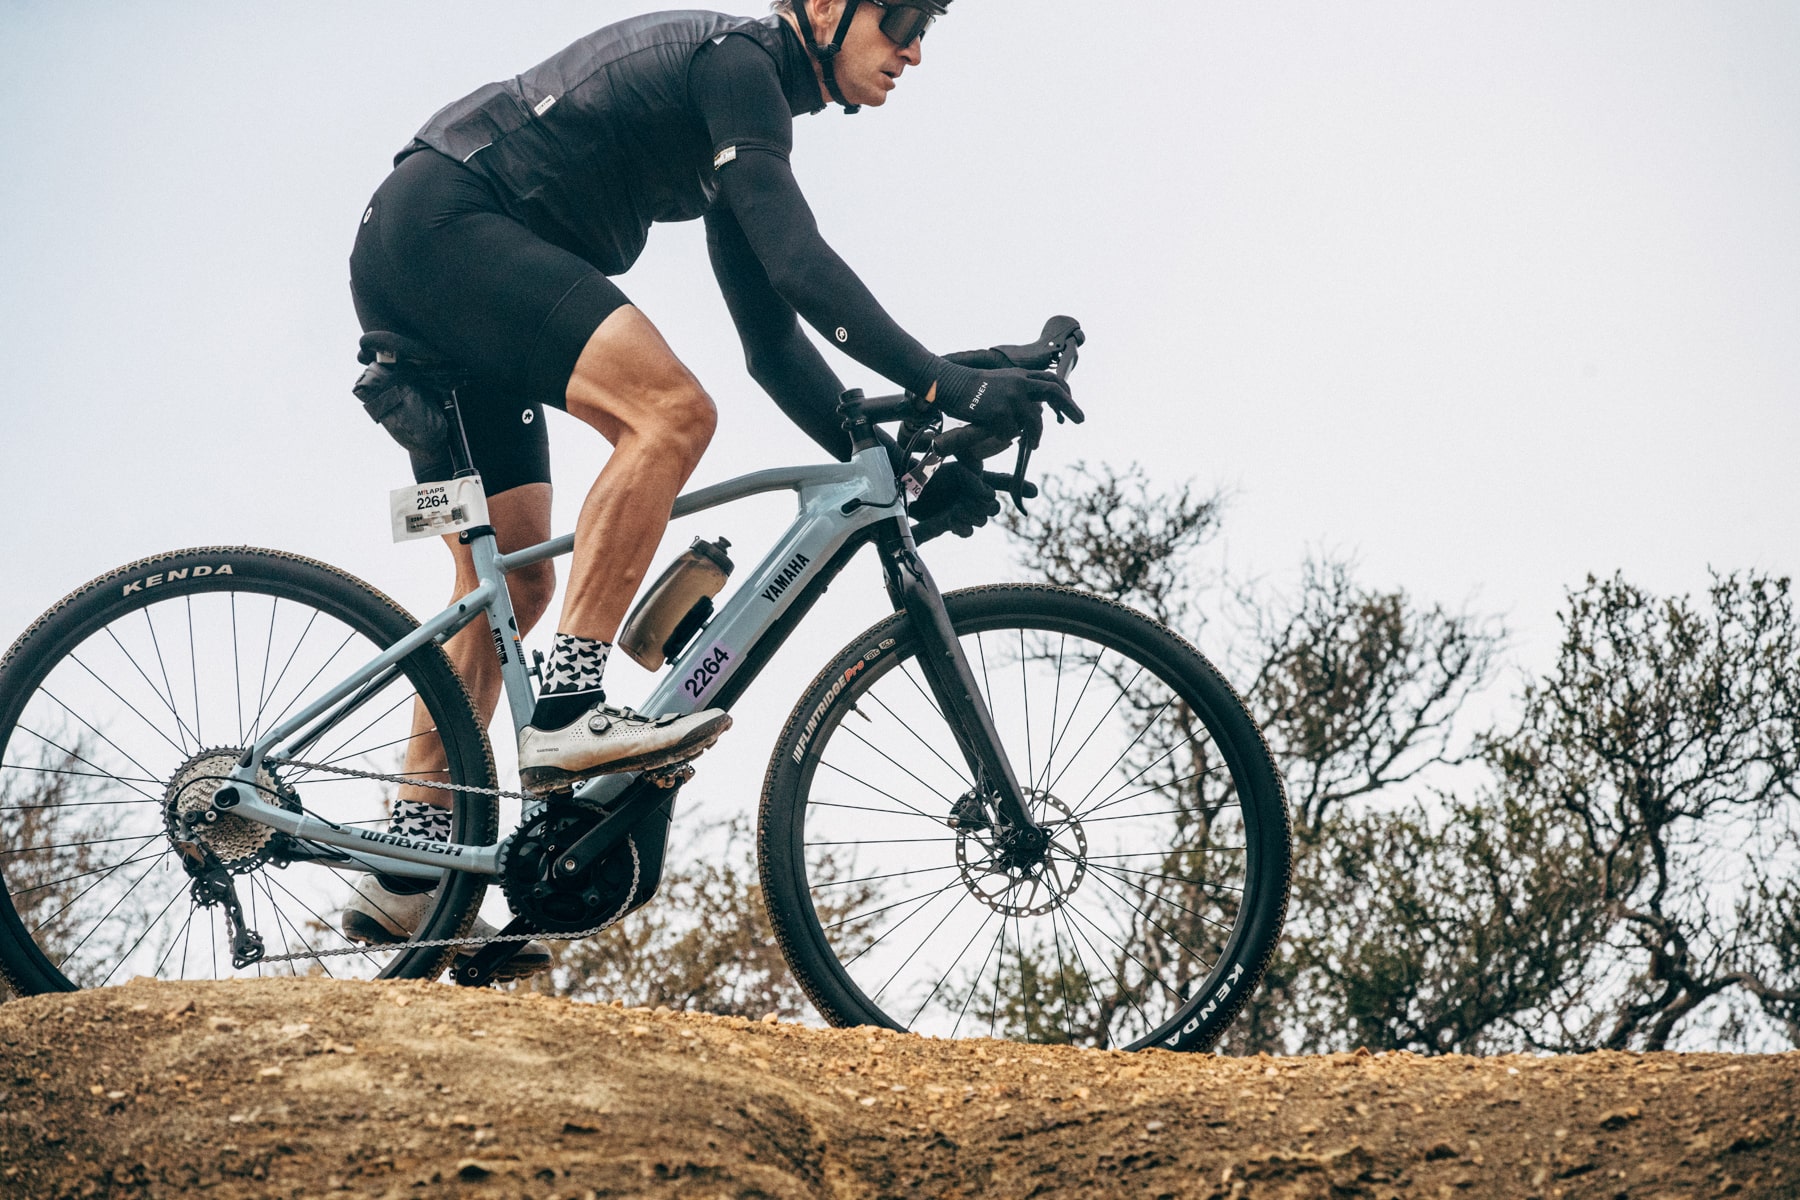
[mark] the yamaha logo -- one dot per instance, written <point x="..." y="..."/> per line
<point x="785" y="580"/>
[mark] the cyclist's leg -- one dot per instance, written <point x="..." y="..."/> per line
<point x="520" y="517"/>
<point x="437" y="257"/>
<point x="629" y="386"/>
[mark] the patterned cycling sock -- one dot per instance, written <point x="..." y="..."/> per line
<point x="423" y="823"/>
<point x="571" y="681"/>
<point x="414" y="819"/>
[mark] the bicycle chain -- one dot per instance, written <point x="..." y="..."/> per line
<point x="472" y="789"/>
<point x="435" y="943"/>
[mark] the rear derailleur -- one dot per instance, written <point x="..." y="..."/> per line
<point x="214" y="887"/>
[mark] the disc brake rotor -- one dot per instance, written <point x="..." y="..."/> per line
<point x="1027" y="886"/>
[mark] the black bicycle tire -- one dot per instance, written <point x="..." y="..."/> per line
<point x="1194" y="1026"/>
<point x="298" y="580"/>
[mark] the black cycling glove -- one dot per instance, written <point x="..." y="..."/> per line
<point x="959" y="500"/>
<point x="994" y="358"/>
<point x="956" y="500"/>
<point x="1007" y="402"/>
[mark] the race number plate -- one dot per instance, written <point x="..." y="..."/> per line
<point x="434" y="509"/>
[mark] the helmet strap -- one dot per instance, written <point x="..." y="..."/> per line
<point x="827" y="54"/>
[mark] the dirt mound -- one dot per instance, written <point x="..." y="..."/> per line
<point x="298" y="1087"/>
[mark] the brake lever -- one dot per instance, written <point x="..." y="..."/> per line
<point x="1017" y="488"/>
<point x="1065" y="362"/>
<point x="1066" y="358"/>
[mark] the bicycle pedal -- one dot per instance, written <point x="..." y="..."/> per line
<point x="671" y="776"/>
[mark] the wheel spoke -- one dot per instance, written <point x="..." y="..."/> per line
<point x="876" y="912"/>
<point x="1125" y="991"/>
<point x="68" y="753"/>
<point x="942" y="979"/>
<point x="95" y="774"/>
<point x="1114" y="872"/>
<point x="135" y="710"/>
<point x="979" y="972"/>
<point x="1025" y="701"/>
<point x="882" y="841"/>
<point x="836" y="883"/>
<point x="1173" y="878"/>
<point x="954" y="770"/>
<point x="1057" y="738"/>
<point x="907" y="771"/>
<point x="913" y="808"/>
<point x="126" y="957"/>
<point x="305" y="689"/>
<point x="95" y="928"/>
<point x="1055" y="701"/>
<point x="915" y="953"/>
<point x="194" y="679"/>
<point x="1201" y="774"/>
<point x="1115" y="762"/>
<point x="1090" y="737"/>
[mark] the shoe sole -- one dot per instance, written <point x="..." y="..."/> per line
<point x="540" y="781"/>
<point x="360" y="927"/>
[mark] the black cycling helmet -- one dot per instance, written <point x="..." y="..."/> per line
<point x="903" y="21"/>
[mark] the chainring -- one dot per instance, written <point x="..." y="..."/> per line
<point x="563" y="905"/>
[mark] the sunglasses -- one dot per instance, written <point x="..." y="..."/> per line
<point x="902" y="23"/>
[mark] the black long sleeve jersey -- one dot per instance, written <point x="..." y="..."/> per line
<point x="669" y="117"/>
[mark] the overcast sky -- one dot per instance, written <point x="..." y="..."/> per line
<point x="1490" y="294"/>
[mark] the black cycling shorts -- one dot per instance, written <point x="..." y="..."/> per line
<point x="438" y="259"/>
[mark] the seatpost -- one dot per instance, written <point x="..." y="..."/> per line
<point x="460" y="458"/>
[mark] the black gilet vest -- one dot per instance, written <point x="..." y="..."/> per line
<point x="591" y="146"/>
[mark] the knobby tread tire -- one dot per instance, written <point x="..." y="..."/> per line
<point x="782" y="815"/>
<point x="294" y="577"/>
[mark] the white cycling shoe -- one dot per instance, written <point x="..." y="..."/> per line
<point x="377" y="916"/>
<point x="610" y="739"/>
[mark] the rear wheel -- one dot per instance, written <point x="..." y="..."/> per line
<point x="901" y="900"/>
<point x="122" y="706"/>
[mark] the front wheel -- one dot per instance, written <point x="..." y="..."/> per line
<point x="900" y="899"/>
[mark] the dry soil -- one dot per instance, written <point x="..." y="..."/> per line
<point x="303" y="1087"/>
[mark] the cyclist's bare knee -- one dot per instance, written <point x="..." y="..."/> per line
<point x="683" y="427"/>
<point x="629" y="386"/>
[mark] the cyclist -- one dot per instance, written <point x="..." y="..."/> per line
<point x="493" y="242"/>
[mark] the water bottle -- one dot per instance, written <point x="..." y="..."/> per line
<point x="677" y="605"/>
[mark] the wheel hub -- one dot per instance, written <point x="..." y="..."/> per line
<point x="237" y="843"/>
<point x="1024" y="873"/>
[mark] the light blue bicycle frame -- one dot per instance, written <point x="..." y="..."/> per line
<point x="837" y="501"/>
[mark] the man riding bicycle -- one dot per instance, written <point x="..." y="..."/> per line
<point x="493" y="243"/>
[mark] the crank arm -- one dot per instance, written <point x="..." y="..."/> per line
<point x="641" y="798"/>
<point x="948" y="675"/>
<point x="481" y="967"/>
